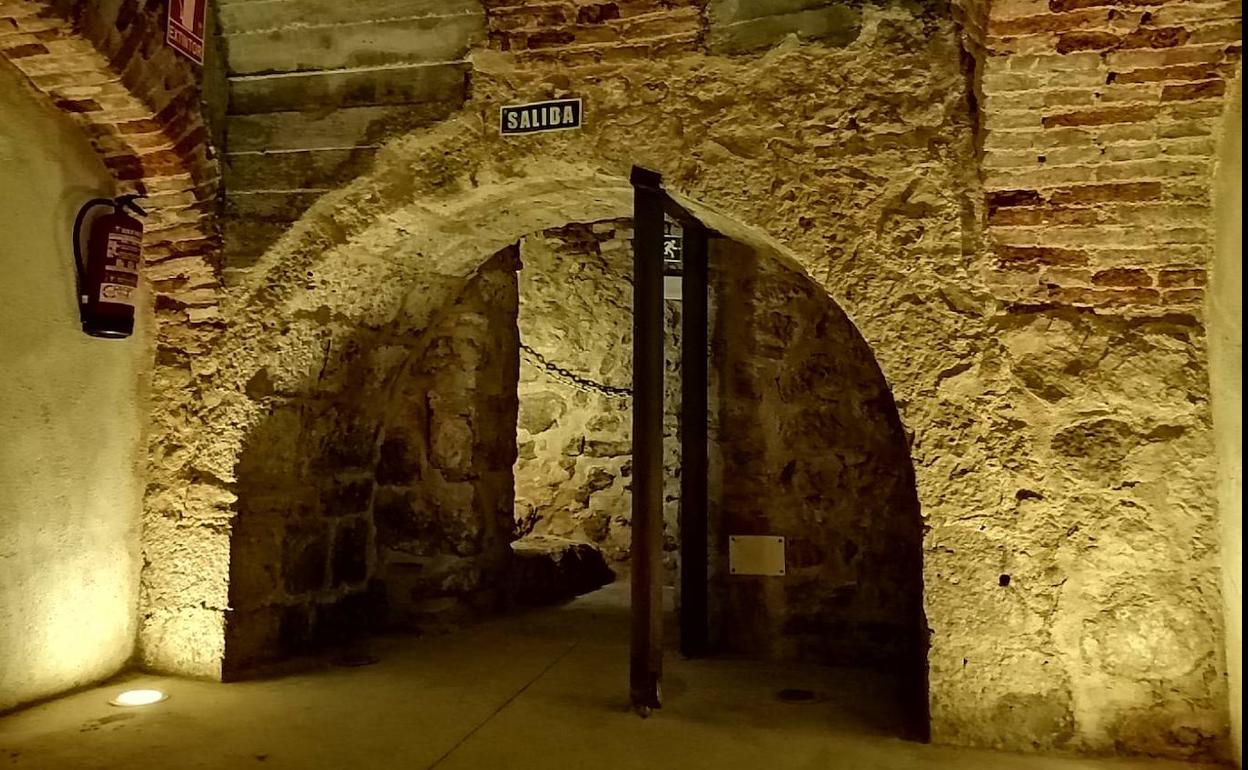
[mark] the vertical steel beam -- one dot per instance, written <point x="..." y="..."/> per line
<point x="646" y="653"/>
<point x="693" y="454"/>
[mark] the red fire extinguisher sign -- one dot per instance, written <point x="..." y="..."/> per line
<point x="185" y="33"/>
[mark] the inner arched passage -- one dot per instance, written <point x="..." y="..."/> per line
<point x="806" y="444"/>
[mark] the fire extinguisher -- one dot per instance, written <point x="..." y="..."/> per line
<point x="108" y="279"/>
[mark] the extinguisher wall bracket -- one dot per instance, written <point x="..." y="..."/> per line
<point x="80" y="264"/>
<point x="128" y="202"/>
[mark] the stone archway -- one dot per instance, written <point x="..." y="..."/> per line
<point x="877" y="200"/>
<point x="439" y="201"/>
<point x="293" y="334"/>
<point x="305" y="420"/>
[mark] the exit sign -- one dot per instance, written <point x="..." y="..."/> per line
<point x="188" y="20"/>
<point x="537" y="117"/>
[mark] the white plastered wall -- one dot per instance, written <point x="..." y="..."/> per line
<point x="70" y="423"/>
<point x="1226" y="345"/>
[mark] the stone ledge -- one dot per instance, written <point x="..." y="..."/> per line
<point x="547" y="569"/>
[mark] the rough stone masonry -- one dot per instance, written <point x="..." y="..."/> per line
<point x="1012" y="208"/>
<point x="805" y="443"/>
<point x="575" y="443"/>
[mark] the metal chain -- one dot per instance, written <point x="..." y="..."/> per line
<point x="575" y="379"/>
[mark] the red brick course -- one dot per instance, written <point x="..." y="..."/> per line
<point x="577" y="33"/>
<point x="1097" y="120"/>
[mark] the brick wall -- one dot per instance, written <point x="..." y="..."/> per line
<point x="1098" y="136"/>
<point x="578" y="32"/>
<point x="1096" y="129"/>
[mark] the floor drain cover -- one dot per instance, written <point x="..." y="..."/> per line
<point x="355" y="659"/>
<point x="797" y="695"/>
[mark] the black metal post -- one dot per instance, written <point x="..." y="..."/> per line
<point x="646" y="654"/>
<point x="693" y="451"/>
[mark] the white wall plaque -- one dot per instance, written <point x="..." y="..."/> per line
<point x="673" y="287"/>
<point x="756" y="555"/>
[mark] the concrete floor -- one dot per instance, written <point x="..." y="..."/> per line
<point x="544" y="689"/>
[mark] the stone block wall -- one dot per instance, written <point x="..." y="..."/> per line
<point x="313" y="90"/>
<point x="443" y="508"/>
<point x="378" y="494"/>
<point x="807" y="444"/>
<point x="580" y="32"/>
<point x="575" y="442"/>
<point x="302" y="541"/>
<point x="738" y="26"/>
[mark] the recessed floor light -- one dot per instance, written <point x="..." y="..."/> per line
<point x="138" y="698"/>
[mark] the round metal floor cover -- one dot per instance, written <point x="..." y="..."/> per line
<point x="356" y="659"/>
<point x="797" y="695"/>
